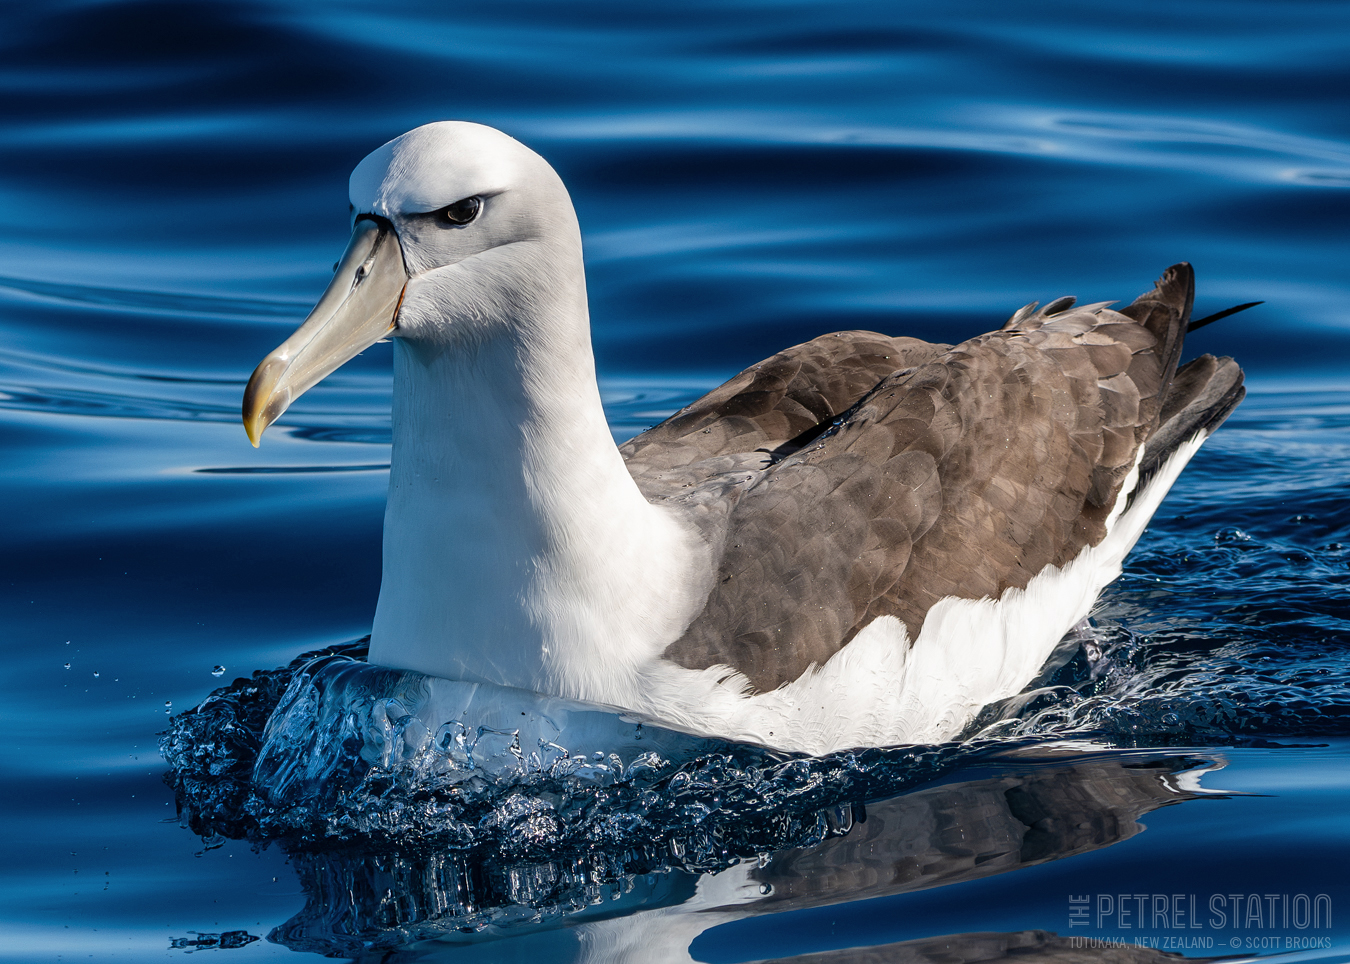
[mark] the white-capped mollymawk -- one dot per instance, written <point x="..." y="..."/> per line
<point x="859" y="541"/>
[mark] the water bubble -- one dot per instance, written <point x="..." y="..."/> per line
<point x="67" y="666"/>
<point x="96" y="672"/>
<point x="168" y="706"/>
<point x="218" y="670"/>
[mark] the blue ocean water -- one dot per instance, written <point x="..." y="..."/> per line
<point x="748" y="175"/>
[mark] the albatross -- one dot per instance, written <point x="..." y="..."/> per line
<point x="859" y="541"/>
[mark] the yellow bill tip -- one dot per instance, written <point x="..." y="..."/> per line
<point x="264" y="398"/>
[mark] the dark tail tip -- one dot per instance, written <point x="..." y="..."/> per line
<point x="1219" y="315"/>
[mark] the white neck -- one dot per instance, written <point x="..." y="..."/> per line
<point x="517" y="548"/>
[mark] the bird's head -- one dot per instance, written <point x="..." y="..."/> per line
<point x="456" y="228"/>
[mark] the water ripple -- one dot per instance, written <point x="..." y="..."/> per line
<point x="176" y="304"/>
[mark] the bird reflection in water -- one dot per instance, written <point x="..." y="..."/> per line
<point x="641" y="906"/>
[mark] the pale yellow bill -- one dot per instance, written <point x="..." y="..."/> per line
<point x="358" y="308"/>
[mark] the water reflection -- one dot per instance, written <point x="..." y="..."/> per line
<point x="641" y="906"/>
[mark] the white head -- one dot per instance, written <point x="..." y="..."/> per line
<point x="459" y="231"/>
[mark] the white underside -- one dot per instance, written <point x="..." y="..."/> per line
<point x="879" y="690"/>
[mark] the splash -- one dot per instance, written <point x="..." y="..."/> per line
<point x="331" y="751"/>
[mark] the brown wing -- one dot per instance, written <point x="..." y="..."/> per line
<point x="962" y="476"/>
<point x="772" y="407"/>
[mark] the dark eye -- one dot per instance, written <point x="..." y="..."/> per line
<point x="462" y="212"/>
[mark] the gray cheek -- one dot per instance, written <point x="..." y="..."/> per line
<point x="411" y="234"/>
<point x="423" y="253"/>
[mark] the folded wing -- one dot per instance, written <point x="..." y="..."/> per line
<point x="860" y="475"/>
